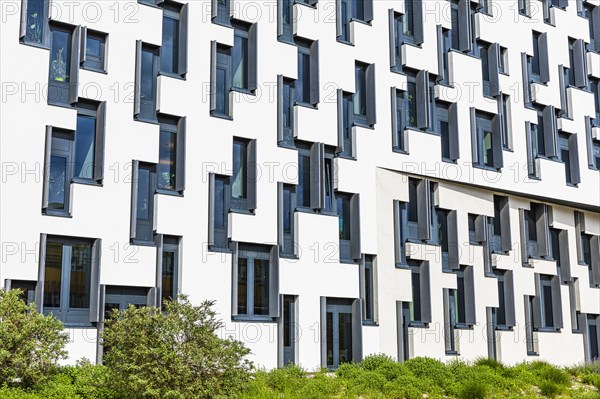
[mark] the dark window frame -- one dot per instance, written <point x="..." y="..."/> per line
<point x="92" y="62"/>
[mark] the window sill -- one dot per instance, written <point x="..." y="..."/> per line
<point x="399" y="150"/>
<point x="504" y="328"/>
<point x="403" y="266"/>
<point x="62" y="105"/>
<point x="92" y="69"/>
<point x="398" y="70"/>
<point x="305" y="105"/>
<point x="57" y="214"/>
<point x="212" y="248"/>
<point x="504" y="73"/>
<point x="171" y="75"/>
<point x="452" y="353"/>
<point x="244" y="91"/>
<point x="363" y="125"/>
<point x="348" y="261"/>
<point x="281" y="144"/>
<point x="463" y="327"/>
<point x="346" y="42"/>
<point x="576" y="331"/>
<point x="485" y="167"/>
<point x="547" y="330"/>
<point x="146" y="120"/>
<point x="345" y="156"/>
<point x="404" y="42"/>
<point x="165" y="191"/>
<point x="221" y="116"/>
<point x="87" y="182"/>
<point x="34" y="44"/>
<point x="226" y="24"/>
<point x="241" y="211"/>
<point x="143" y="243"/>
<point x="253" y="319"/>
<point x="148" y="3"/>
<point x="489" y="274"/>
<point x="301" y="3"/>
<point x="370" y="323"/>
<point x="316" y="211"/>
<point x="529" y="353"/>
<point x="418" y="324"/>
<point x="288" y="256"/>
<point x="361" y="21"/>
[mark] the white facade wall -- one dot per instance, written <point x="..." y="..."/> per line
<point x="378" y="174"/>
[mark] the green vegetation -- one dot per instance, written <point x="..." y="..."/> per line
<point x="176" y="354"/>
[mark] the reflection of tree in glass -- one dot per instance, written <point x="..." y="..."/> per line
<point x="34" y="27"/>
<point x="167" y="180"/>
<point x="58" y="68"/>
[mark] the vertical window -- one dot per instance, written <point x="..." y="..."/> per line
<point x="120" y="297"/>
<point x="588" y="12"/>
<point x="369" y="284"/>
<point x="59" y="173"/>
<point x="285" y="15"/>
<point x="145" y="187"/>
<point x="349" y="226"/>
<point x="396" y="39"/>
<point x="472" y="220"/>
<point x="408" y="22"/>
<point x="538" y="63"/>
<point x="546" y="301"/>
<point x="501" y="310"/>
<point x="169" y="52"/>
<point x="63" y="70"/>
<point x="287" y="207"/>
<point x="243" y="179"/>
<point x="315" y="177"/>
<point x="504" y="112"/>
<point x="304" y="180"/>
<point x="307" y="85"/>
<point x="146" y="80"/>
<point x="594" y="87"/>
<point x="222" y="81"/>
<point x="84" y="144"/>
<point x="67" y="280"/>
<point x="564" y="155"/>
<point x="485" y="68"/>
<point x="530" y="337"/>
<point x="221" y="12"/>
<point x="286" y="99"/>
<point x="450" y="320"/>
<point x="442" y="127"/>
<point x="94" y="53"/>
<point x="346" y="114"/>
<point x="170" y="269"/>
<point x="167" y="157"/>
<point x="290" y="329"/>
<point x="411" y="206"/>
<point x="253" y="283"/>
<point x="454" y="22"/>
<point x="243" y="56"/>
<point x="34" y="28"/>
<point x="360" y="97"/>
<point x="342" y="332"/>
<point x="219" y="191"/>
<point x="488" y="141"/>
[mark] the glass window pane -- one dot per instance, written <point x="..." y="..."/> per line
<point x="240" y="62"/>
<point x="143" y="197"/>
<point x="329" y="323"/>
<point x="53" y="274"/>
<point x="168" y="274"/>
<point x="287" y="212"/>
<point x="501" y="313"/>
<point x="416" y="303"/>
<point x="460" y="299"/>
<point x="345" y="337"/>
<point x="411" y="91"/>
<point x="328" y="184"/>
<point x="242" y="286"/>
<point x="81" y="263"/>
<point x="261" y="286"/>
<point x="369" y="293"/>
<point x="221" y="106"/>
<point x="84" y="146"/>
<point x="412" y="200"/>
<point x="35" y="21"/>
<point x="147" y="76"/>
<point x="57" y="184"/>
<point x="169" y="53"/>
<point x="287" y="320"/>
<point x="360" y="97"/>
<point x="547" y="304"/>
<point x="60" y="56"/>
<point x="167" y="160"/>
<point x="488" y="153"/>
<point x="343" y="205"/>
<point x="238" y="185"/>
<point x="303" y="181"/>
<point x="408" y="18"/>
<point x="303" y="81"/>
<point x="93" y="47"/>
<point x="287" y="105"/>
<point x="220" y="211"/>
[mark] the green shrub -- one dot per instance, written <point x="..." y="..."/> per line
<point x="550" y="389"/>
<point x="430" y="369"/>
<point x="173" y="354"/>
<point x="486" y="361"/>
<point x="31" y="344"/>
<point x="378" y="361"/>
<point x="474" y="390"/>
<point x="286" y="379"/>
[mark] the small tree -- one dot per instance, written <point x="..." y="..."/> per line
<point x="173" y="354"/>
<point x="30" y="343"/>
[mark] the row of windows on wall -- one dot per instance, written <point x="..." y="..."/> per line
<point x="68" y="283"/>
<point x="540" y="240"/>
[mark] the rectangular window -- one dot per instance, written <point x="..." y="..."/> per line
<point x="419" y="210"/>
<point x="286" y="209"/>
<point x="396" y="39"/>
<point x="285" y="103"/>
<point x="503" y="60"/>
<point x="442" y="128"/>
<point x="485" y="68"/>
<point x="221" y="81"/>
<point x="538" y="66"/>
<point x="94" y="51"/>
<point x="567" y="148"/>
<point x="34" y="22"/>
<point x="536" y="231"/>
<point x="146" y="82"/>
<point x="307" y="84"/>
<point x="169" y="277"/>
<point x="173" y="52"/>
<point x="342" y="332"/>
<point x="243" y="179"/>
<point x="487" y="150"/>
<point x="501" y="310"/>
<point x="369" y="285"/>
<point x="412" y="22"/>
<point x="420" y="307"/>
<point x="144" y="185"/>
<point x="171" y="153"/>
<point x="59" y="173"/>
<point x="69" y="279"/>
<point x="285" y="15"/>
<point x="315" y="177"/>
<point x="590" y="12"/>
<point x="400" y="233"/>
<point x="364" y="97"/>
<point x="220" y="195"/>
<point x="530" y="336"/>
<point x="120" y="297"/>
<point x="64" y="65"/>
<point x="547" y="304"/>
<point x="349" y="227"/>
<point x="450" y="320"/>
<point x="221" y="12"/>
<point x="472" y="221"/>
<point x="253" y="285"/>
<point x="243" y="57"/>
<point x="505" y="115"/>
<point x="345" y="124"/>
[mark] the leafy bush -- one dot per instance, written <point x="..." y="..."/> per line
<point x="432" y="370"/>
<point x="173" y="354"/>
<point x="31" y="344"/>
<point x="474" y="390"/>
<point x="550" y="389"/>
<point x="491" y="363"/>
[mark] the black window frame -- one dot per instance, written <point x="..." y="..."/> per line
<point x="40" y="38"/>
<point x="174" y="126"/>
<point x="91" y="62"/>
<point x="145" y="109"/>
<point x="485" y="124"/>
<point x="63" y="84"/>
<point x="221" y="106"/>
<point x="218" y="235"/>
<point x="288" y="247"/>
<point x="321" y="196"/>
<point x="177" y="12"/>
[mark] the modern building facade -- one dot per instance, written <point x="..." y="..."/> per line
<point x="343" y="177"/>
